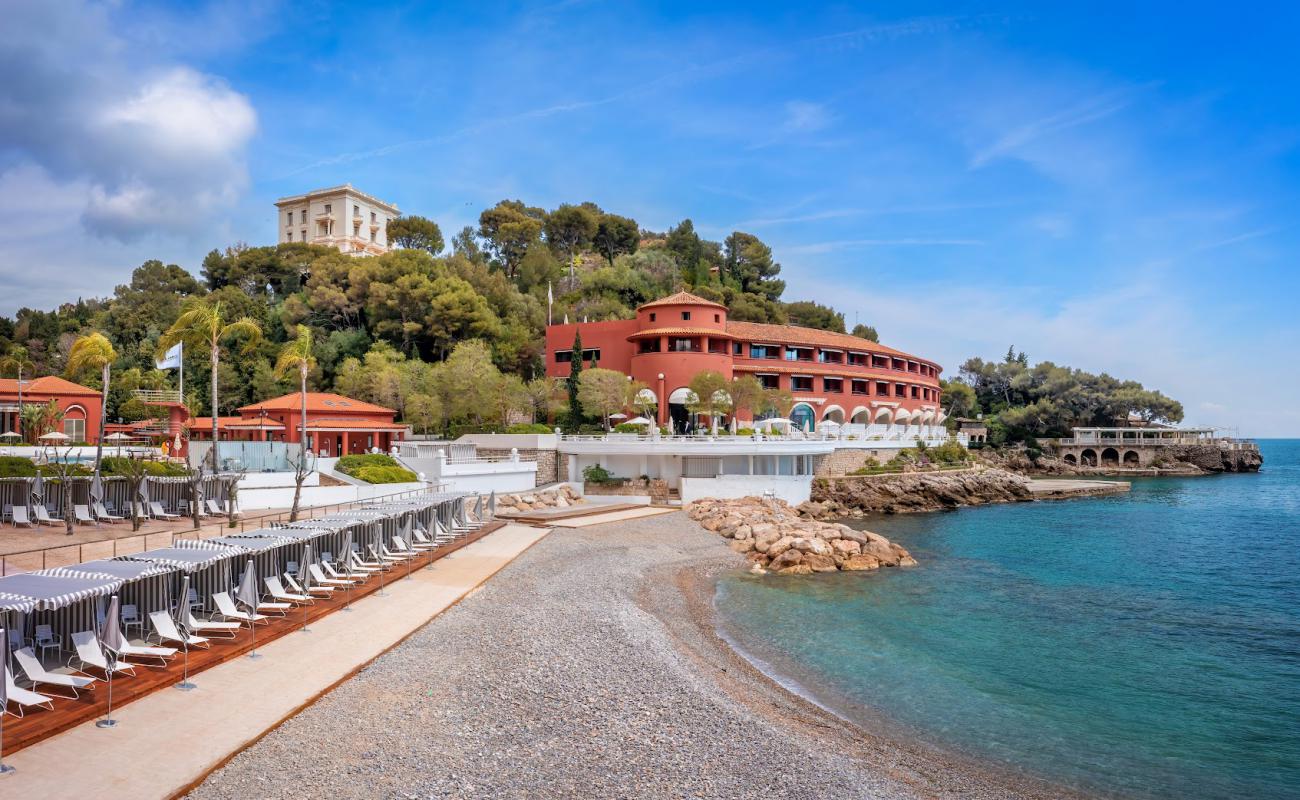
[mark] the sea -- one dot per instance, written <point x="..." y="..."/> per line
<point x="1143" y="645"/>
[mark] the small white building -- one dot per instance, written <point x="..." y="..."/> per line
<point x="341" y="217"/>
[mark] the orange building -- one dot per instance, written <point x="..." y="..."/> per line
<point x="832" y="376"/>
<point x="336" y="425"/>
<point x="79" y="404"/>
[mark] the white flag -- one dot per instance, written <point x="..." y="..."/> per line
<point x="172" y="358"/>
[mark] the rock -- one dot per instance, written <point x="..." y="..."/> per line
<point x="858" y="563"/>
<point x="820" y="563"/>
<point x="780" y="546"/>
<point x="797" y="569"/>
<point x="744" y="532"/>
<point x="741" y="545"/>
<point x="846" y="547"/>
<point x="811" y="545"/>
<point x="560" y="502"/>
<point x="764" y="540"/>
<point x="787" y="559"/>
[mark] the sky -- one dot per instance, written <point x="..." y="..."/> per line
<point x="1113" y="189"/>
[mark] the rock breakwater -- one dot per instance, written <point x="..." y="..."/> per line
<point x="774" y="537"/>
<point x="913" y="491"/>
<point x="561" y="497"/>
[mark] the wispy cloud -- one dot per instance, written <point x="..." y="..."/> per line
<point x="1088" y="110"/>
<point x="849" y="244"/>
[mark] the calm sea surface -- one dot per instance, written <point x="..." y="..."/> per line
<point x="1146" y="645"/>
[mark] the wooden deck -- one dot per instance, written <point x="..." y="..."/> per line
<point x="40" y="724"/>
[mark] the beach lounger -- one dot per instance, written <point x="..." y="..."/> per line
<point x="82" y="515"/>
<point x="386" y="555"/>
<point x="156" y="509"/>
<point x="212" y="627"/>
<point x="102" y="515"/>
<point x="336" y="575"/>
<point x="216" y="508"/>
<point x="22" y="698"/>
<point x="90" y="654"/>
<point x="164" y="627"/>
<point x="43" y="516"/>
<point x="364" y="567"/>
<point x="37" y="674"/>
<point x="319" y="591"/>
<point x="226" y="608"/>
<point x="147" y="651"/>
<point x="20" y="516"/>
<point x="276" y="590"/>
<point x="203" y="512"/>
<point x="318" y="575"/>
<point x="417" y="543"/>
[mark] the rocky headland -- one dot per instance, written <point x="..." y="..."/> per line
<point x="774" y="537"/>
<point x="857" y="495"/>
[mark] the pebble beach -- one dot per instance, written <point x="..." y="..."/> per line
<point x="589" y="667"/>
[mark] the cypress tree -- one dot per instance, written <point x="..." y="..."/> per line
<point x="575" y="372"/>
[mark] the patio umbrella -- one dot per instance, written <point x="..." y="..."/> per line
<point x="492" y="504"/>
<point x="55" y="436"/>
<point x="110" y="637"/>
<point x="248" y="595"/>
<point x="639" y="421"/>
<point x="97" y="487"/>
<point x="618" y="415"/>
<point x="182" y="617"/>
<point x="38" y="488"/>
<point x="116" y="437"/>
<point x="304" y="579"/>
<point x="347" y="563"/>
<point x="9" y="435"/>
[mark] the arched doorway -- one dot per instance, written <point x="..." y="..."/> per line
<point x="1131" y="458"/>
<point x="803" y="417"/>
<point x="833" y="414"/>
<point x="1088" y="457"/>
<point x="1070" y="459"/>
<point x="678" y="416"/>
<point x="1110" y="457"/>
<point x="861" y="416"/>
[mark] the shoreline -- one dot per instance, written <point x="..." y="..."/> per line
<point x="770" y="690"/>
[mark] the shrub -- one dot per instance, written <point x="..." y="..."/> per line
<point x="16" y="467"/>
<point x="744" y="431"/>
<point x="597" y="474"/>
<point x="949" y="452"/>
<point x="529" y="427"/>
<point x="628" y="427"/>
<point x="375" y="468"/>
<point x="118" y="465"/>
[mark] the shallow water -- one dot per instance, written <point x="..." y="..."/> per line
<point x="1145" y="645"/>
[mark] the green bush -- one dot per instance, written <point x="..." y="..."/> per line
<point x="16" y="467"/>
<point x="529" y="427"/>
<point x="598" y="474"/>
<point x="375" y="468"/>
<point x="117" y="465"/>
<point x="744" y="431"/>
<point x="628" y="427"/>
<point x="948" y="453"/>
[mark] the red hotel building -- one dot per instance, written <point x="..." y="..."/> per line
<point x="832" y="376"/>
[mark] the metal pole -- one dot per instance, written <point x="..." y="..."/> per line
<point x="108" y="721"/>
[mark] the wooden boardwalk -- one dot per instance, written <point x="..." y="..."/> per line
<point x="40" y="724"/>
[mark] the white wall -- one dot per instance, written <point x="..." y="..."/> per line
<point x="793" y="489"/>
<point x="259" y="498"/>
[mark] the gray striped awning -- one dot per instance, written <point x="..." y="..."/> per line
<point x="126" y="570"/>
<point x="53" y="589"/>
<point x="252" y="544"/>
<point x="294" y="534"/>
<point x="190" y="559"/>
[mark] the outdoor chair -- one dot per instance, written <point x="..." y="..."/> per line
<point x="158" y="513"/>
<point x="22" y="698"/>
<point x="203" y="512"/>
<point x="46" y="640"/>
<point x="20" y="516"/>
<point x="227" y="609"/>
<point x="277" y="592"/>
<point x="82" y="515"/>
<point x="419" y="541"/>
<point x="90" y="654"/>
<point x="363" y="567"/>
<point x="211" y="627"/>
<point x="102" y="515"/>
<point x="216" y="508"/>
<point x="43" y="516"/>
<point x="385" y="556"/>
<point x="147" y="651"/>
<point x="37" y="674"/>
<point x="336" y="575"/>
<point x="319" y="591"/>
<point x="164" y="628"/>
<point x="131" y="617"/>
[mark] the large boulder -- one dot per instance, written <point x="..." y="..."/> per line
<point x="820" y="563"/>
<point x="787" y="559"/>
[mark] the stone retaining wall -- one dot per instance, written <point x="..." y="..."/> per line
<point x="546" y="461"/>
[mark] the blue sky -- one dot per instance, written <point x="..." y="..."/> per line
<point x="1114" y="190"/>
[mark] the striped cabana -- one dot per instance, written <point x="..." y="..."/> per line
<point x="67" y="601"/>
<point x="209" y="565"/>
<point x="148" y="585"/>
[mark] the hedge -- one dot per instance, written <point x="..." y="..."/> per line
<point x="375" y="468"/>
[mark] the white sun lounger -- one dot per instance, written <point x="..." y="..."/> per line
<point x="385" y="555"/>
<point x="211" y="627"/>
<point x="82" y="515"/>
<point x="147" y="651"/>
<point x="276" y="590"/>
<point x="156" y="509"/>
<point x="364" y="567"/>
<point x="37" y="674"/>
<point x="226" y="608"/>
<point x="20" y="516"/>
<point x="22" y="698"/>
<point x="90" y="654"/>
<point x="216" y="508"/>
<point x="165" y="629"/>
<point x="318" y="591"/>
<point x="336" y="575"/>
<point x="101" y="513"/>
<point x="43" y="516"/>
<point x="320" y="577"/>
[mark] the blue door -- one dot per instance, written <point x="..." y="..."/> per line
<point x="803" y="418"/>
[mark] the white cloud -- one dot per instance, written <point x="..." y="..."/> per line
<point x="152" y="146"/>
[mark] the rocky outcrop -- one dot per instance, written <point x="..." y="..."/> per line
<point x="1215" y="458"/>
<point x="775" y="538"/>
<point x="561" y="497"/>
<point x="908" y="492"/>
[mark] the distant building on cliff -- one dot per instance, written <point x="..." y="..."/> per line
<point x="341" y="217"/>
<point x="833" y="377"/>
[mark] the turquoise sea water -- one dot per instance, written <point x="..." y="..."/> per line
<point x="1145" y="645"/>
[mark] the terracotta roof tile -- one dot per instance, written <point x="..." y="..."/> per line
<point x="798" y="335"/>
<point x="680" y="299"/>
<point x="46" y="384"/>
<point x="714" y="332"/>
<point x="318" y="402"/>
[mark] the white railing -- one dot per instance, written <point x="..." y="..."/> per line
<point x="157" y="396"/>
<point x="1134" y="441"/>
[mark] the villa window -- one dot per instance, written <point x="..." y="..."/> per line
<point x="900" y="390"/>
<point x="717" y="346"/>
<point x="830" y="356"/>
<point x="290" y="217"/>
<point x="833" y="385"/>
<point x="329" y="208"/>
<point x="916" y="392"/>
<point x="770" y="381"/>
<point x="291" y="236"/>
<point x="882" y="389"/>
<point x="304" y="234"/>
<point x="372" y="235"/>
<point x="801" y="383"/>
<point x="686" y="315"/>
<point x="764" y="351"/>
<point x="652" y="316"/>
<point x="879" y="363"/>
<point x="373" y="217"/>
<point x="650" y="345"/>
<point x="683" y="345"/>
<point x="737" y="349"/>
<point x="356" y="211"/>
<point x="717" y="318"/>
<point x="591" y="355"/>
<point x="861" y="387"/>
<point x="563" y="356"/>
<point x="857" y="360"/>
<point x="900" y="365"/>
<point x="798" y="354"/>
<point x="75" y="429"/>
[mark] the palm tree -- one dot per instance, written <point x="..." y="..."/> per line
<point x="296" y="355"/>
<point x="203" y="324"/>
<point x="93" y="351"/>
<point x="18" y="361"/>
